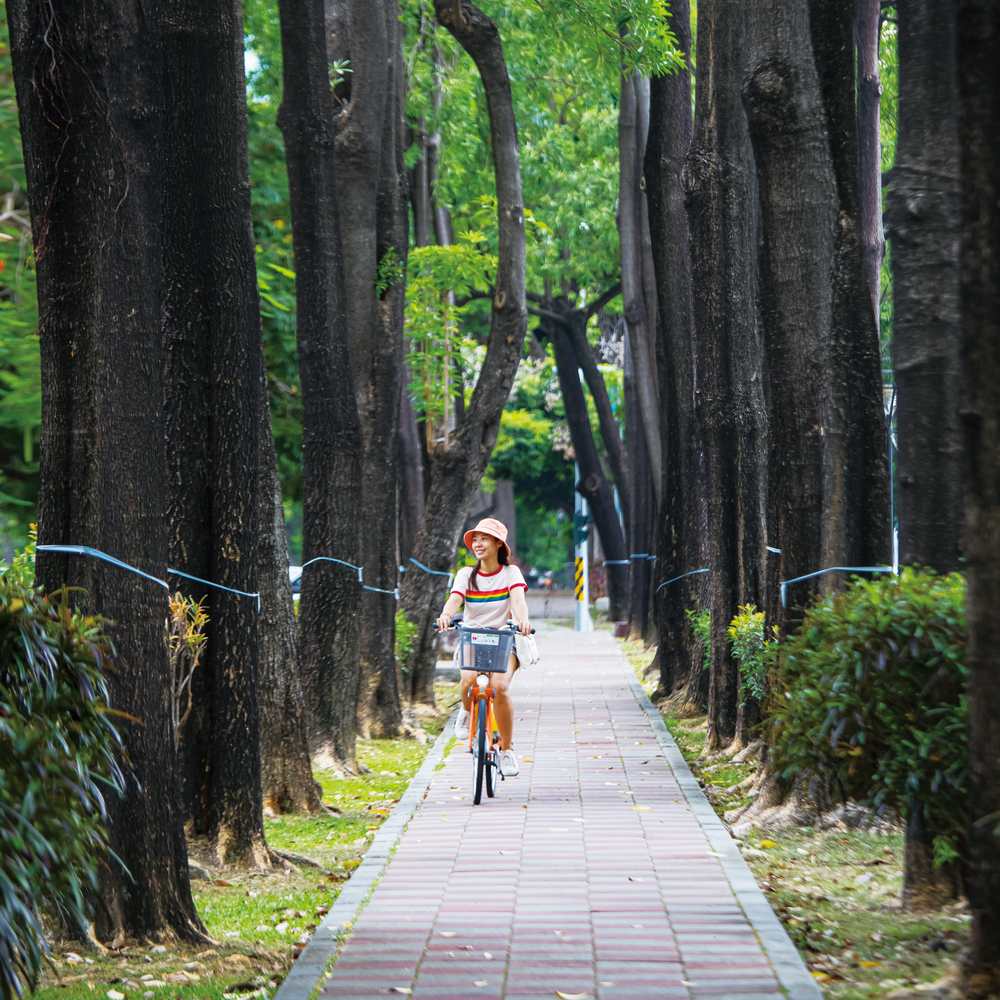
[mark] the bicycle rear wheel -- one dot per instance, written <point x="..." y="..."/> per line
<point x="479" y="764"/>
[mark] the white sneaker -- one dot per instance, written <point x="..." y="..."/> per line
<point x="508" y="764"/>
<point x="462" y="724"/>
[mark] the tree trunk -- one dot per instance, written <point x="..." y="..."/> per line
<point x="678" y="535"/>
<point x="379" y="707"/>
<point x="979" y="135"/>
<point x="593" y="485"/>
<point x="925" y="224"/>
<point x="365" y="32"/>
<point x="634" y="296"/>
<point x="869" y="90"/>
<point x="728" y="347"/>
<point x="331" y="465"/>
<point x="641" y="504"/>
<point x="456" y="472"/>
<point x="420" y="190"/>
<point x="574" y="321"/>
<point x="410" y="473"/>
<point x="800" y="219"/>
<point x="925" y="887"/>
<point x="212" y="386"/>
<point x="287" y="783"/>
<point x="90" y="101"/>
<point x="857" y="464"/>
<point x="576" y="327"/>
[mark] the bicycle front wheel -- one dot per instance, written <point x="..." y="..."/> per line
<point x="479" y="751"/>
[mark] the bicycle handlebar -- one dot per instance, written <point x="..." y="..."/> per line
<point x="511" y="626"/>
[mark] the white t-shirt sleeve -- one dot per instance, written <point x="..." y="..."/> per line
<point x="515" y="578"/>
<point x="461" y="583"/>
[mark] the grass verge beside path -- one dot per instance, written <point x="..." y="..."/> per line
<point x="837" y="892"/>
<point x="258" y="921"/>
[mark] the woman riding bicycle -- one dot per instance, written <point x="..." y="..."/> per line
<point x="493" y="591"/>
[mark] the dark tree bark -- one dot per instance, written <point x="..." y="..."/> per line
<point x="213" y="395"/>
<point x="410" y="473"/>
<point x="593" y="485"/>
<point x="287" y="783"/>
<point x="678" y="548"/>
<point x="857" y="456"/>
<point x="559" y="309"/>
<point x="924" y="201"/>
<point x="827" y="455"/>
<point x="641" y="506"/>
<point x="631" y="226"/>
<point x="979" y="136"/>
<point x="90" y="99"/>
<point x="457" y="470"/>
<point x="728" y="346"/>
<point x="366" y="32"/>
<point x="867" y="24"/>
<point x="379" y="707"/>
<point x="331" y="470"/>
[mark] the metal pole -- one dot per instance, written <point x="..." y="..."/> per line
<point x="582" y="622"/>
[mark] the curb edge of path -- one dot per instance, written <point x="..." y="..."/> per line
<point x="307" y="970"/>
<point x="792" y="974"/>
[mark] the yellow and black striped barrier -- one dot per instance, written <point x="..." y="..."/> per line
<point x="579" y="578"/>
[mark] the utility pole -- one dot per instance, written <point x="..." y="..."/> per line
<point x="582" y="621"/>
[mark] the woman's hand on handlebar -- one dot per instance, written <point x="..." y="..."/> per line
<point x="444" y="621"/>
<point x="525" y="628"/>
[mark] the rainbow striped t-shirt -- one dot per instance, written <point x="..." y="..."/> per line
<point x="488" y="603"/>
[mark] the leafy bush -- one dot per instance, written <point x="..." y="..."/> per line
<point x="406" y="632"/>
<point x="57" y="747"/>
<point x="701" y="625"/>
<point x="746" y="633"/>
<point x="871" y="689"/>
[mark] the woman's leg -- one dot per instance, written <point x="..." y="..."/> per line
<point x="503" y="707"/>
<point x="468" y="679"/>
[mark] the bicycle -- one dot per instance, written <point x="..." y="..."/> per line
<point x="487" y="651"/>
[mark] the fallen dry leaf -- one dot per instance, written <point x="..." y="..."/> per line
<point x="223" y="883"/>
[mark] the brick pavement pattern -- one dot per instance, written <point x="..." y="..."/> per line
<point x="587" y="875"/>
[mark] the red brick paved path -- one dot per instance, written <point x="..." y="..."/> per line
<point x="587" y="874"/>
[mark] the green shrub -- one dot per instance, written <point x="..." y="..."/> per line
<point x="871" y="690"/>
<point x="57" y="748"/>
<point x="746" y="633"/>
<point x="701" y="625"/>
<point x="406" y="632"/>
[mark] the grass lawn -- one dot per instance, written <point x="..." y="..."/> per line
<point x="835" y="891"/>
<point x="257" y="921"/>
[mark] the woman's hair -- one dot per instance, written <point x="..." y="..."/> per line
<point x="501" y="558"/>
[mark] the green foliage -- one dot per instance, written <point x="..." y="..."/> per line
<point x="746" y="633"/>
<point x="389" y="272"/>
<point x="871" y="689"/>
<point x="701" y="625"/>
<point x="20" y="372"/>
<point x="435" y="276"/>
<point x="57" y="747"/>
<point x="406" y="632"/>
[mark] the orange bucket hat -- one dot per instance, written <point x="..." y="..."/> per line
<point x="492" y="527"/>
